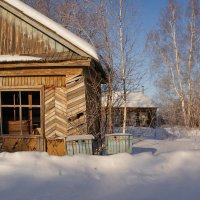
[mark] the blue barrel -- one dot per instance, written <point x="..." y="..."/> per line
<point x="118" y="143"/>
<point x="79" y="144"/>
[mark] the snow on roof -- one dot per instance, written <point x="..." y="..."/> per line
<point x="134" y="100"/>
<point x="16" y="58"/>
<point x="60" y="30"/>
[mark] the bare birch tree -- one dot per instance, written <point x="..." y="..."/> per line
<point x="123" y="67"/>
<point x="43" y="6"/>
<point x="107" y="59"/>
<point x="98" y="23"/>
<point x="174" y="45"/>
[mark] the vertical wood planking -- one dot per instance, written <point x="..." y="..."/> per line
<point x="48" y="81"/>
<point x="19" y="37"/>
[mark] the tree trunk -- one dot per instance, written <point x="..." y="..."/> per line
<point x="123" y="68"/>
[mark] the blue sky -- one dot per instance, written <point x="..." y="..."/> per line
<point x="150" y="11"/>
<point x="150" y="14"/>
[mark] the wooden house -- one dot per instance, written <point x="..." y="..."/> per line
<point x="49" y="82"/>
<point x="141" y="109"/>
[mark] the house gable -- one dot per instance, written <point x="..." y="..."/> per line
<point x="21" y="34"/>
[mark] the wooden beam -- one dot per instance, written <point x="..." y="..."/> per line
<point x="74" y="63"/>
<point x="22" y="88"/>
<point x="30" y="102"/>
<point x="40" y="72"/>
<point x="1" y="118"/>
<point x="20" y="111"/>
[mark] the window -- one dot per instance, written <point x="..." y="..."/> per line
<point x="20" y="112"/>
<point x="131" y="117"/>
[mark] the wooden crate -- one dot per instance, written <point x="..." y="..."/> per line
<point x="79" y="144"/>
<point x="22" y="143"/>
<point x="56" y="146"/>
<point x="14" y="127"/>
<point x="118" y="143"/>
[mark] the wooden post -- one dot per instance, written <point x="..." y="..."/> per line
<point x="1" y="116"/>
<point x="14" y="107"/>
<point x="20" y="111"/>
<point x="30" y="112"/>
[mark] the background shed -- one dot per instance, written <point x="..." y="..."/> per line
<point x="141" y="109"/>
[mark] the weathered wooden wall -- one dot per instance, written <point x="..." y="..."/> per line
<point x="76" y="105"/>
<point x="19" y="37"/>
<point x="56" y="112"/>
<point x="48" y="81"/>
<point x="64" y="101"/>
<point x="13" y="144"/>
<point x="65" y="108"/>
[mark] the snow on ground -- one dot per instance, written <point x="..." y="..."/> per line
<point x="172" y="172"/>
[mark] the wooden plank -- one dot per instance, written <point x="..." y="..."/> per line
<point x="43" y="29"/>
<point x="1" y="80"/>
<point x="80" y="107"/>
<point x="50" y="125"/>
<point x="73" y="84"/>
<point x="76" y="103"/>
<point x="28" y="80"/>
<point x="39" y="72"/>
<point x="49" y="115"/>
<point x="30" y="102"/>
<point x="29" y="65"/>
<point x="22" y="143"/>
<point x="76" y="93"/>
<point x="56" y="147"/>
<point x="50" y="132"/>
<point x="76" y="123"/>
<point x="75" y="87"/>
<point x="55" y="112"/>
<point x="22" y="37"/>
<point x="77" y="98"/>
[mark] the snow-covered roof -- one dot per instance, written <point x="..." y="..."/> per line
<point x="17" y="58"/>
<point x="134" y="100"/>
<point x="55" y="27"/>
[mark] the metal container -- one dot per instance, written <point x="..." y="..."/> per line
<point x="79" y="144"/>
<point x="118" y="143"/>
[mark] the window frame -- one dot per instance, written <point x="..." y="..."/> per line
<point x="23" y="89"/>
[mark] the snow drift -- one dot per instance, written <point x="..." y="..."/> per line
<point x="37" y="176"/>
